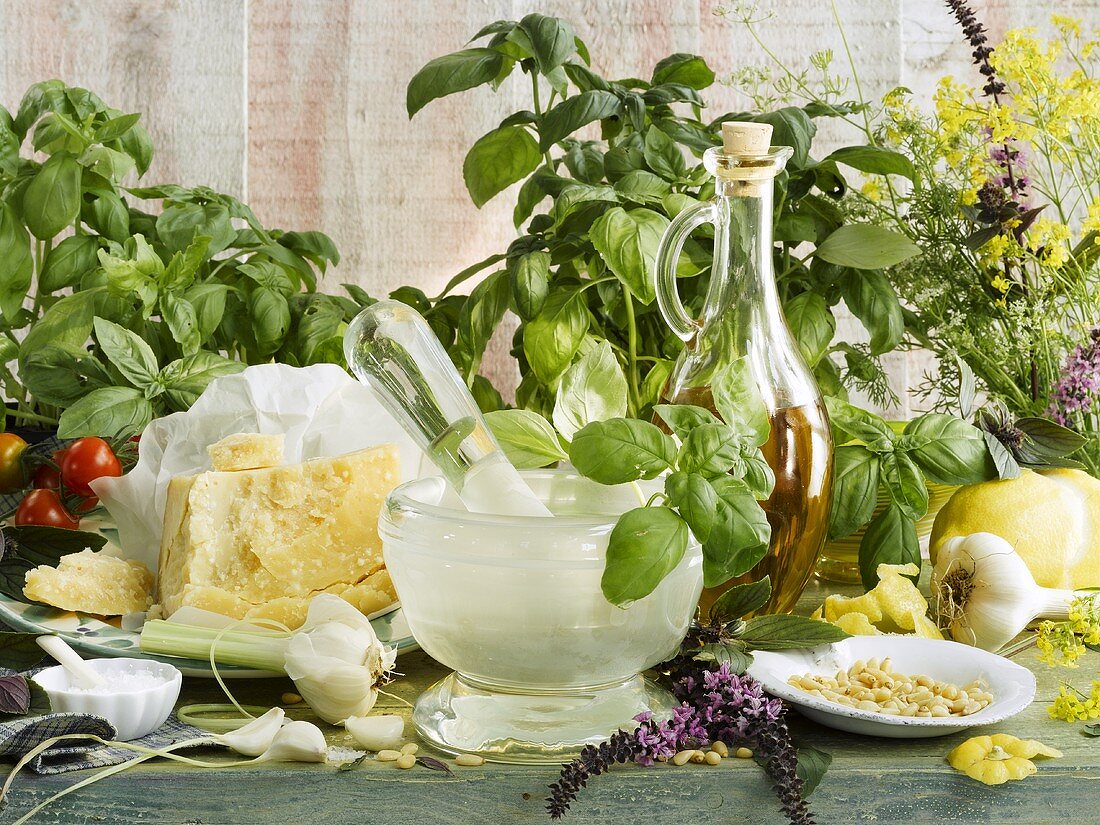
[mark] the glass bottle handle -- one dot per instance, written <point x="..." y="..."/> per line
<point x="668" y="253"/>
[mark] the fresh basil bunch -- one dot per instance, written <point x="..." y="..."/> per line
<point x="933" y="447"/>
<point x="202" y="285"/>
<point x="715" y="474"/>
<point x="591" y="213"/>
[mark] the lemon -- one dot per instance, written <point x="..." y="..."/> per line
<point x="1052" y="518"/>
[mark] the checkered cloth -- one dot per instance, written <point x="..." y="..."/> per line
<point x="19" y="736"/>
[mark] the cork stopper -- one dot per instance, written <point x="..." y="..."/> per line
<point x="744" y="138"/>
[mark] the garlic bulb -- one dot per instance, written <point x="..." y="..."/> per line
<point x="336" y="660"/>
<point x="985" y="594"/>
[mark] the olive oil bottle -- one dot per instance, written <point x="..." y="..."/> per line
<point x="741" y="317"/>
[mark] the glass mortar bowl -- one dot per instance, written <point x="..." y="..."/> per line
<point x="544" y="663"/>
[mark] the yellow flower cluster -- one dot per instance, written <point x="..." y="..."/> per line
<point x="1049" y="240"/>
<point x="1091" y="223"/>
<point x="1070" y="705"/>
<point x="1063" y="643"/>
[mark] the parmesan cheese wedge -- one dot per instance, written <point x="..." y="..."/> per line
<point x="246" y="451"/>
<point x="91" y="582"/>
<point x="260" y="543"/>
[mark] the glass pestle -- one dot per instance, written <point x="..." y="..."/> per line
<point x="390" y="348"/>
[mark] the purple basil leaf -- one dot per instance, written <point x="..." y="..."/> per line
<point x="434" y="764"/>
<point x="15" y="694"/>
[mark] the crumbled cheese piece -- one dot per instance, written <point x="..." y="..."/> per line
<point x="246" y="451"/>
<point x="261" y="543"/>
<point x="91" y="582"/>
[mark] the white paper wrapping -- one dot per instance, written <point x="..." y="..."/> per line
<point x="321" y="411"/>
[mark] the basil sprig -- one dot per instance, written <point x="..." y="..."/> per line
<point x="715" y="474"/>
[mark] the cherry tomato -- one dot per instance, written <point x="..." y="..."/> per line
<point x="12" y="477"/>
<point x="43" y="508"/>
<point x="86" y="505"/>
<point x="84" y="461"/>
<point x="46" y="477"/>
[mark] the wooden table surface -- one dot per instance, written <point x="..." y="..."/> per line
<point x="871" y="780"/>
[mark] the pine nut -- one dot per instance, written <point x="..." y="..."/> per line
<point x="469" y="760"/>
<point x="698" y="757"/>
<point x="743" y="753"/>
<point x="290" y="699"/>
<point x="388" y="756"/>
<point x="720" y="748"/>
<point x="682" y="757"/>
<point x="406" y="761"/>
<point x="712" y="758"/>
<point x="410" y="747"/>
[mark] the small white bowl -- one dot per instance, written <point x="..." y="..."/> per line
<point x="1012" y="686"/>
<point x="134" y="713"/>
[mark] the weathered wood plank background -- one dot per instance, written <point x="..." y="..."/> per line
<point x="298" y="107"/>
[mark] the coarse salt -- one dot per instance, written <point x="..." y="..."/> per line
<point x="131" y="680"/>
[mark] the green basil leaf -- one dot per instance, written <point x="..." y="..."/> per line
<point x="891" y="538"/>
<point x="954" y="452"/>
<point x="44" y="96"/>
<point x="51" y="201"/>
<point x="584" y="160"/>
<point x="812" y="324"/>
<point x="530" y="282"/>
<point x="317" y="246"/>
<point x="110" y="412"/>
<point x="855" y="489"/>
<point x="1003" y="460"/>
<point x="208" y="301"/>
<point x="452" y="73"/>
<point x="733" y="654"/>
<point x="780" y="631"/>
<point x="663" y="155"/>
<point x="57" y="132"/>
<point x="621" y="450"/>
<point x="270" y="316"/>
<point x="851" y="422"/>
<point x="627" y="242"/>
<point x="738" y="400"/>
<point x="642" y="187"/>
<point x="758" y="475"/>
<point x="740" y="536"/>
<point x="573" y="113"/>
<point x="689" y="69"/>
<point x="695" y="499"/>
<point x="109" y="216"/>
<point x="865" y="246"/>
<point x="655" y="381"/>
<point x="138" y="145"/>
<point x="526" y="437"/>
<point x="108" y="163"/>
<point x="791" y="126"/>
<point x="645" y="546"/>
<point x="182" y="322"/>
<point x="16" y="266"/>
<point x="710" y="449"/>
<point x="60" y="374"/>
<point x="128" y="352"/>
<point x="116" y="127"/>
<point x="811" y="767"/>
<point x="185" y="379"/>
<point x="551" y="339"/>
<point x="481" y="315"/>
<point x="552" y="40"/>
<point x="1046" y="439"/>
<point x="874" y="160"/>
<point x="683" y="418"/>
<point x="180" y="223"/>
<point x="593" y="389"/>
<point x="904" y="481"/>
<point x="20" y="651"/>
<point x="871" y="298"/>
<point x="742" y="599"/>
<point x="69" y="321"/>
<point x="497" y="160"/>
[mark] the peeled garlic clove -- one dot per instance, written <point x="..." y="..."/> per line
<point x="255" y="737"/>
<point x="376" y="733"/>
<point x="297" y="741"/>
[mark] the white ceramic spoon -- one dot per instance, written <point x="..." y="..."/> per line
<point x="80" y="674"/>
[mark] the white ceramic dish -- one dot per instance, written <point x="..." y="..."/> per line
<point x="1012" y="686"/>
<point x="134" y="713"/>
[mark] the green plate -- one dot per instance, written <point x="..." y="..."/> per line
<point x="95" y="637"/>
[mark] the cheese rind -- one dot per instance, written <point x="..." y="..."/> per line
<point x="91" y="582"/>
<point x="246" y="451"/>
<point x="261" y="543"/>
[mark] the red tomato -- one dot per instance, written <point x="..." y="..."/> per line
<point x="44" y="508"/>
<point x="12" y="477"/>
<point x="84" y="461"/>
<point x="46" y="477"/>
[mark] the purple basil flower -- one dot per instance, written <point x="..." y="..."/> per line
<point x="1076" y="392"/>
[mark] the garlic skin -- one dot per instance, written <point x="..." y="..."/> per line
<point x="986" y="595"/>
<point x="297" y="741"/>
<point x="336" y="660"/>
<point x="255" y="737"/>
<point x="376" y="733"/>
